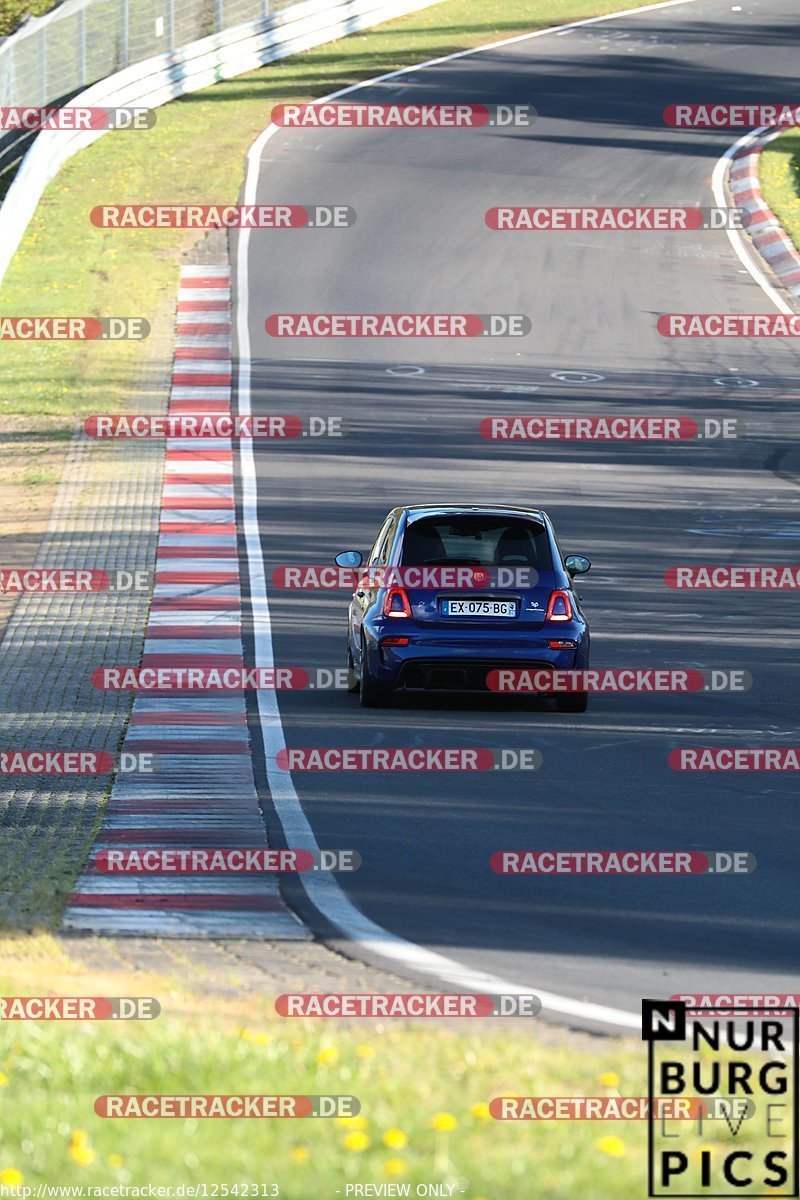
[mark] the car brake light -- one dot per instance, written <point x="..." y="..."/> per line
<point x="398" y="641"/>
<point x="396" y="603"/>
<point x="559" y="608"/>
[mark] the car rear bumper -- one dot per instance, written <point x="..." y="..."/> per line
<point x="452" y="675"/>
<point x="430" y="664"/>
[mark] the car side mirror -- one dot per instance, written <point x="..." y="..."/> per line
<point x="577" y="564"/>
<point x="349" y="558"/>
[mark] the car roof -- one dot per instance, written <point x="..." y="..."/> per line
<point x="418" y="511"/>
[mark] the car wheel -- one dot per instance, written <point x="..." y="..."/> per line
<point x="573" y="702"/>
<point x="371" y="693"/>
<point x="352" y="675"/>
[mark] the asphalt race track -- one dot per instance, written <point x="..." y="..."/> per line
<point x="420" y="244"/>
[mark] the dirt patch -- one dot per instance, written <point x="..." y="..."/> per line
<point x="32" y="454"/>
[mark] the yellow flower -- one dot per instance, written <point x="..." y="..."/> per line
<point x="395" y="1139"/>
<point x="356" y="1122"/>
<point x="115" y="1161"/>
<point x="3" y="1079"/>
<point x="257" y="1039"/>
<point x="327" y="1056"/>
<point x="83" y="1155"/>
<point x="301" y="1154"/>
<point x="356" y="1140"/>
<point x="11" y="1177"/>
<point x="609" y="1079"/>
<point x="80" y="1150"/>
<point x="614" y="1147"/>
<point x="480" y="1111"/>
<point x="444" y="1122"/>
<point x="365" y="1052"/>
<point x="394" y="1166"/>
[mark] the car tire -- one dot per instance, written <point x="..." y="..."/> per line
<point x="573" y="702"/>
<point x="352" y="674"/>
<point x="371" y="693"/>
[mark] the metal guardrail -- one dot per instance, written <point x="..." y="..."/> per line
<point x="288" y="29"/>
<point x="54" y="57"/>
<point x="82" y="41"/>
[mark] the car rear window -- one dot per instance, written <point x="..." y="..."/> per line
<point x="477" y="541"/>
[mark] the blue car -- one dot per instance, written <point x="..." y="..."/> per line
<point x="452" y="593"/>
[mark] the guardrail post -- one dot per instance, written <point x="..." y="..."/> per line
<point x="82" y="46"/>
<point x="219" y="16"/>
<point x="43" y="67"/>
<point x="124" y="33"/>
<point x="171" y="24"/>
<point x="8" y="92"/>
<point x="265" y="8"/>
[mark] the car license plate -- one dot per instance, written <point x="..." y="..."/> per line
<point x="478" y="608"/>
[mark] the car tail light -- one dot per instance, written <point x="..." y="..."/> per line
<point x="559" y="608"/>
<point x="396" y="603"/>
<point x="394" y="641"/>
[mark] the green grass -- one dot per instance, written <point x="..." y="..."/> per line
<point x="194" y="153"/>
<point x="54" y="1075"/>
<point x="780" y="181"/>
<point x="403" y="1075"/>
<point x="35" y="477"/>
<point x="12" y="12"/>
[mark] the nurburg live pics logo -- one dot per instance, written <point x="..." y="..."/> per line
<point x="746" y="1058"/>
